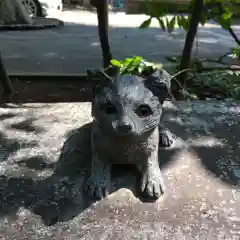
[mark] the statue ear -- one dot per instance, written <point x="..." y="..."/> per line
<point x="98" y="75"/>
<point x="101" y="78"/>
<point x="112" y="71"/>
<point x="159" y="83"/>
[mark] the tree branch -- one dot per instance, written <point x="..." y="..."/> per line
<point x="186" y="54"/>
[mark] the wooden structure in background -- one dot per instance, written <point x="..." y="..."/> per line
<point x="137" y="6"/>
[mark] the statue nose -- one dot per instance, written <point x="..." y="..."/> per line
<point x="124" y="128"/>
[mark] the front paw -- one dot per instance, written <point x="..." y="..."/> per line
<point x="152" y="185"/>
<point x="97" y="187"/>
<point x="166" y="138"/>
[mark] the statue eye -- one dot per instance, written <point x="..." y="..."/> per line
<point x="108" y="108"/>
<point x="144" y="111"/>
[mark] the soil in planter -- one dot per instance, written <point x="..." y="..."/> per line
<point x="31" y="91"/>
<point x="50" y="91"/>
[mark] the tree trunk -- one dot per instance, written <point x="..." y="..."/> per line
<point x="186" y="54"/>
<point x="102" y="13"/>
<point x="4" y="79"/>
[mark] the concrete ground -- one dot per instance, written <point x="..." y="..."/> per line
<point x="45" y="157"/>
<point x="75" y="47"/>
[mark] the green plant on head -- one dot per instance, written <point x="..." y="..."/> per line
<point x="236" y="52"/>
<point x="135" y="66"/>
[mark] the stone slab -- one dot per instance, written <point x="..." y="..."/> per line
<point x="45" y="157"/>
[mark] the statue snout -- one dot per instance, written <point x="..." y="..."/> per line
<point x="124" y="128"/>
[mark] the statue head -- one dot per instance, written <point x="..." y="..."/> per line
<point x="128" y="105"/>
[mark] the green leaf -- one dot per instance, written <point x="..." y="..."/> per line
<point x="126" y="61"/>
<point x="183" y="23"/>
<point x="224" y="23"/>
<point x="162" y="24"/>
<point x="236" y="93"/>
<point x="226" y="16"/>
<point x="215" y="10"/>
<point x="236" y="52"/>
<point x="137" y="59"/>
<point x="131" y="69"/>
<point x="131" y="65"/>
<point x="189" y="19"/>
<point x="179" y="21"/>
<point x="145" y="62"/>
<point x="115" y="63"/>
<point x="156" y="9"/>
<point x="149" y="64"/>
<point x="171" y="24"/>
<point x="135" y="65"/>
<point x="146" y="23"/>
<point x="203" y="19"/>
<point x="141" y="69"/>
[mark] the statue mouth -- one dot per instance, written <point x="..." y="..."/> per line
<point x="134" y="135"/>
<point x="150" y="127"/>
<point x="125" y="134"/>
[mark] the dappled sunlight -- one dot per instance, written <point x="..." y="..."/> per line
<point x="235" y="110"/>
<point x="127" y="20"/>
<point x="46" y="152"/>
<point x="61" y="50"/>
<point x="205" y="141"/>
<point x="95" y="44"/>
<point x="211" y="131"/>
<point x="45" y="157"/>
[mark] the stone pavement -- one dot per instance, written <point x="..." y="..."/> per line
<point x="75" y="47"/>
<point x="201" y="171"/>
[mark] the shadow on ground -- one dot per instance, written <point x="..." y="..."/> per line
<point x="215" y="136"/>
<point x="223" y="160"/>
<point x="54" y="189"/>
<point x="59" y="197"/>
<point x="48" y="91"/>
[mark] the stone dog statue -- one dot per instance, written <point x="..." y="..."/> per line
<point x="126" y="112"/>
